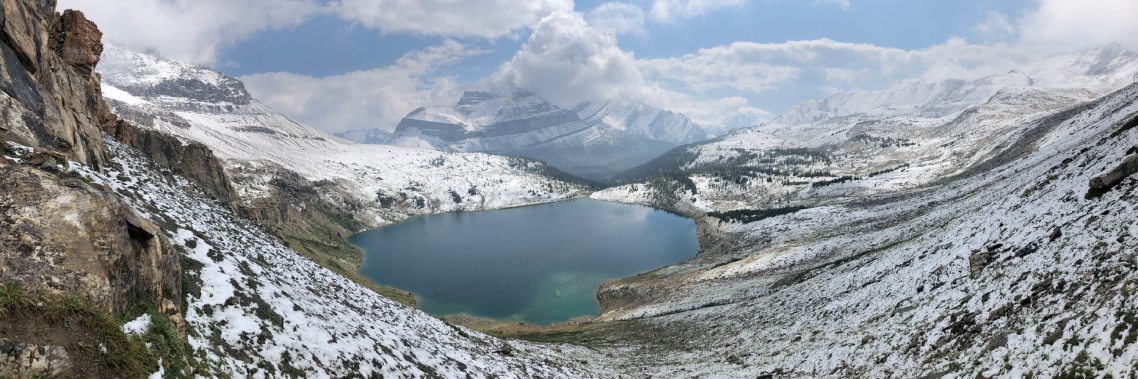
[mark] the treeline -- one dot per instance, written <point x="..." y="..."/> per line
<point x="751" y="215"/>
<point x="539" y="167"/>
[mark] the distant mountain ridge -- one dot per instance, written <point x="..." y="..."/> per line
<point x="1097" y="70"/>
<point x="592" y="139"/>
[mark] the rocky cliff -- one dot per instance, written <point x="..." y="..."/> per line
<point x="51" y="96"/>
<point x="63" y="239"/>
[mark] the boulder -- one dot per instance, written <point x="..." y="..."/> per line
<point x="1104" y="181"/>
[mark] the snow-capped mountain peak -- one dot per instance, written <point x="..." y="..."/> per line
<point x="591" y="139"/>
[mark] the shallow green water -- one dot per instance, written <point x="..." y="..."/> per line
<point x="540" y="264"/>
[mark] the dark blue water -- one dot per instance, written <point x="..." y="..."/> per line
<point x="539" y="264"/>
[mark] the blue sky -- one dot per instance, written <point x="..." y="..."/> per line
<point x="327" y="45"/>
<point x="351" y="64"/>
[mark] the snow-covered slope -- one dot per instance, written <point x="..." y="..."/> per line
<point x="594" y="140"/>
<point x="255" y="308"/>
<point x="908" y="135"/>
<point x="202" y="105"/>
<point x="1099" y="70"/>
<point x="1011" y="267"/>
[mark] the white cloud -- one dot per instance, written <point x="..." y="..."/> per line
<point x="618" y="18"/>
<point x="195" y="30"/>
<point x="376" y="98"/>
<point x="567" y="61"/>
<point x="486" y="18"/>
<point x="671" y="10"/>
<point x="190" y="30"/>
<point x="1081" y="24"/>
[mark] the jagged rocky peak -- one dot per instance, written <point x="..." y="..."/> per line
<point x="490" y="107"/>
<point x="150" y="77"/>
<point x="476" y="97"/>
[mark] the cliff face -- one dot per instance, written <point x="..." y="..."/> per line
<point x="62" y="236"/>
<point x="190" y="159"/>
<point x="50" y="96"/>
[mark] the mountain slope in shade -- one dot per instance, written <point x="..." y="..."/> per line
<point x="589" y="141"/>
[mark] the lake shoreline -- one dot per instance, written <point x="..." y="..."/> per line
<point x="645" y="254"/>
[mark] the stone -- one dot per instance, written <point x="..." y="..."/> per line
<point x="977" y="261"/>
<point x="19" y="359"/>
<point x="1104" y="181"/>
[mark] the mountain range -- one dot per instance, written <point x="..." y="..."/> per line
<point x="155" y="218"/>
<point x="594" y="139"/>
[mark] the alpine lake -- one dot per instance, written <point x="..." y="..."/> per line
<point x="539" y="264"/>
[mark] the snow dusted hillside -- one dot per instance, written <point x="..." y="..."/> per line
<point x="1009" y="268"/>
<point x="255" y="308"/>
<point x="860" y="143"/>
<point x="1099" y="70"/>
<point x="591" y="140"/>
<point x="202" y="105"/>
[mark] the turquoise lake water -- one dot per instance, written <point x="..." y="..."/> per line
<point x="538" y="264"/>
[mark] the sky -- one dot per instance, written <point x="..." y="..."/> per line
<point x="359" y="64"/>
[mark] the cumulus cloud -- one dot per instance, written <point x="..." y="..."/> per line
<point x="190" y="30"/>
<point x="376" y="98"/>
<point x="567" y="61"/>
<point x="196" y="30"/>
<point x="487" y="18"/>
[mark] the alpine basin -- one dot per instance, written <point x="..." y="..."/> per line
<point x="539" y="264"/>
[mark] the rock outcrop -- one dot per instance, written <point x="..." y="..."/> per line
<point x="47" y="86"/>
<point x="190" y="159"/>
<point x="77" y="40"/>
<point x="63" y="236"/>
<point x="60" y="235"/>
